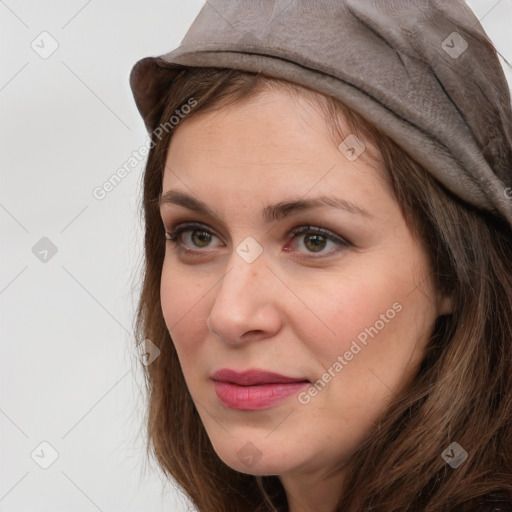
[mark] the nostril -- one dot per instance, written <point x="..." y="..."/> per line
<point x="252" y="334"/>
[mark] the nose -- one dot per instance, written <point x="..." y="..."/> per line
<point x="245" y="306"/>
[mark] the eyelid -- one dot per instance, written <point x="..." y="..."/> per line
<point x="175" y="232"/>
<point x="321" y="231"/>
<point x="178" y="229"/>
<point x="342" y="243"/>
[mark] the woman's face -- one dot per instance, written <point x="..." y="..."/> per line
<point x="333" y="295"/>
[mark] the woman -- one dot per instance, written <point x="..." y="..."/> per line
<point x="328" y="209"/>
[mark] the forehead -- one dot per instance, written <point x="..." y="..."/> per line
<point x="271" y="125"/>
<point x="273" y="135"/>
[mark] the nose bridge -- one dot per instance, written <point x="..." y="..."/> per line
<point x="243" y="299"/>
<point x="243" y="280"/>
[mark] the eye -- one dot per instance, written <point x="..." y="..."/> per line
<point x="197" y="235"/>
<point x="193" y="236"/>
<point x="316" y="239"/>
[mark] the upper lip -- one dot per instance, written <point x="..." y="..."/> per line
<point x="253" y="377"/>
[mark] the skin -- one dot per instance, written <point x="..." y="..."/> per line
<point x="293" y="310"/>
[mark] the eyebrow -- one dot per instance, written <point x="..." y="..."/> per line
<point x="272" y="212"/>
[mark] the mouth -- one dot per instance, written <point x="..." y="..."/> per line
<point x="254" y="390"/>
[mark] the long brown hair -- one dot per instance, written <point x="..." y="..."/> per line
<point x="461" y="393"/>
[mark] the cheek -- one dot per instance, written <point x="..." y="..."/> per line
<point x="172" y="307"/>
<point x="180" y="299"/>
<point x="377" y="322"/>
<point x="347" y="309"/>
<point x="184" y="302"/>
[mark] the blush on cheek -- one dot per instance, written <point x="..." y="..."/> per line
<point x="354" y="316"/>
<point x="174" y="305"/>
<point x="363" y="330"/>
<point x="185" y="315"/>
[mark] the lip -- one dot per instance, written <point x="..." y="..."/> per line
<point x="254" y="390"/>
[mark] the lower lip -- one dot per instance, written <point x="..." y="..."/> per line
<point x="255" y="398"/>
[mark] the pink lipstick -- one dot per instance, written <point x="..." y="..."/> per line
<point x="254" y="390"/>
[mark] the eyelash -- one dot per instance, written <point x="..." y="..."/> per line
<point x="175" y="236"/>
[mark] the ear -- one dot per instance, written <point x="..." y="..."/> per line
<point x="444" y="304"/>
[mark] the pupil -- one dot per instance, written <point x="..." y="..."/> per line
<point x="202" y="237"/>
<point x="318" y="242"/>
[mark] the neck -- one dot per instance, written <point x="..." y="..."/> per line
<point x="313" y="491"/>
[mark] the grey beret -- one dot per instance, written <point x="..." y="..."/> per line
<point x="411" y="67"/>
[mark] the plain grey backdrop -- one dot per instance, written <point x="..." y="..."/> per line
<point x="71" y="389"/>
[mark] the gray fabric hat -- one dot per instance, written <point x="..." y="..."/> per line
<point x="411" y="67"/>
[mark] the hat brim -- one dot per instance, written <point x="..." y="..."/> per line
<point x="150" y="79"/>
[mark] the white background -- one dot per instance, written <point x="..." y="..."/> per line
<point x="68" y="372"/>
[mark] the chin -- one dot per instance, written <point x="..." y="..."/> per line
<point x="253" y="457"/>
<point x="259" y="468"/>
